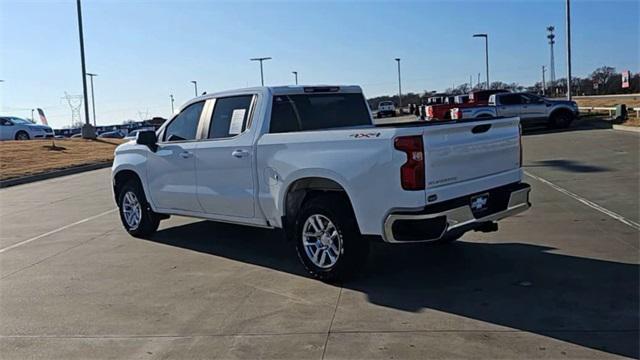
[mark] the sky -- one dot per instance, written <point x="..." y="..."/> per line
<point x="143" y="51"/>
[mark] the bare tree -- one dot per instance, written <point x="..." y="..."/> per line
<point x="602" y="74"/>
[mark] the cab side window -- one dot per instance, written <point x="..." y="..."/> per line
<point x="511" y="99"/>
<point x="185" y="125"/>
<point x="230" y="116"/>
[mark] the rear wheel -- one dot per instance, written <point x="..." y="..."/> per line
<point x="327" y="238"/>
<point x="135" y="212"/>
<point x="22" y="135"/>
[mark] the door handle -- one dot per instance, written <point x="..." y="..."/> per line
<point x="240" y="153"/>
<point x="186" y="154"/>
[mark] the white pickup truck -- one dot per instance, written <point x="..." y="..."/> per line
<point x="309" y="160"/>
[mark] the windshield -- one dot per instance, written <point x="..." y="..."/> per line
<point x="20" y="121"/>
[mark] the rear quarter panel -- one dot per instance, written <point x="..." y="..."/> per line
<point x="362" y="161"/>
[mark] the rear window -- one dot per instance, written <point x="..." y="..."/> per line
<point x="318" y="111"/>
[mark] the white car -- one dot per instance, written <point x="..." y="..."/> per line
<point x="309" y="160"/>
<point x="386" y="108"/>
<point x="14" y="128"/>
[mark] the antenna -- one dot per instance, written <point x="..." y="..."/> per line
<point x="75" y="103"/>
<point x="552" y="68"/>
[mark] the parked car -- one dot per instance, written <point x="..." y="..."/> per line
<point x="15" y="128"/>
<point x="476" y="98"/>
<point x="117" y="134"/>
<point x="386" y="108"/>
<point x="133" y="134"/>
<point x="531" y="109"/>
<point x="303" y="158"/>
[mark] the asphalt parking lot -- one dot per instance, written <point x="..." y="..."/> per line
<point x="559" y="281"/>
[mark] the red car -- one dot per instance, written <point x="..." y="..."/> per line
<point x="476" y="98"/>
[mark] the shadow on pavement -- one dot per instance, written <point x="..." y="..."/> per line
<point x="582" y="124"/>
<point x="519" y="286"/>
<point x="569" y="165"/>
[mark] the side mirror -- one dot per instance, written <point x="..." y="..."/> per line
<point x="147" y="138"/>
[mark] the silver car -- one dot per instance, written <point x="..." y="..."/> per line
<point x="14" y="128"/>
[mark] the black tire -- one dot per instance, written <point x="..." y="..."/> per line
<point x="560" y="120"/>
<point x="148" y="220"/>
<point x="354" y="248"/>
<point x="22" y="135"/>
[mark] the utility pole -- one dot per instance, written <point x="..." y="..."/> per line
<point x="470" y="82"/>
<point x="195" y="84"/>
<point x="93" y="100"/>
<point x="261" y="59"/>
<point x="478" y="83"/>
<point x="486" y="52"/>
<point x="543" y="82"/>
<point x="295" y="73"/>
<point x="172" y="110"/>
<point x="399" y="86"/>
<point x="552" y="64"/>
<point x="568" y="50"/>
<point x="88" y="132"/>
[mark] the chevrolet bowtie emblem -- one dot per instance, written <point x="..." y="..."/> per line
<point x="479" y="203"/>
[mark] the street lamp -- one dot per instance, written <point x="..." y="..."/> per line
<point x="88" y="132"/>
<point x="295" y="73"/>
<point x="93" y="100"/>
<point x="568" y="9"/>
<point x="261" y="71"/>
<point x="486" y="52"/>
<point x="399" y="86"/>
<point x="195" y="84"/>
<point x="172" y="110"/>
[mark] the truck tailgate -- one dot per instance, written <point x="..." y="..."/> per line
<point x="464" y="151"/>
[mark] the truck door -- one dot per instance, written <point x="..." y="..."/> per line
<point x="171" y="169"/>
<point x="534" y="108"/>
<point x="225" y="159"/>
<point x="509" y="105"/>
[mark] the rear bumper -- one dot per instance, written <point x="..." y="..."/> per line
<point x="454" y="216"/>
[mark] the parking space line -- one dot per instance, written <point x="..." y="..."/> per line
<point x="55" y="231"/>
<point x="589" y="203"/>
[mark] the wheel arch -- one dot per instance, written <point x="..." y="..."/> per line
<point x="301" y="189"/>
<point x="561" y="110"/>
<point x="122" y="176"/>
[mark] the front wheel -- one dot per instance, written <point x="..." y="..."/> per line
<point x="135" y="212"/>
<point x="561" y="120"/>
<point x="327" y="238"/>
<point x="22" y="135"/>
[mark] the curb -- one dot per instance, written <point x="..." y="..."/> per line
<point x="54" y="174"/>
<point x="627" y="128"/>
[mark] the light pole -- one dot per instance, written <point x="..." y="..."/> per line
<point x="261" y="59"/>
<point x="171" y="97"/>
<point x="399" y="86"/>
<point x="295" y="73"/>
<point x="88" y="132"/>
<point x="544" y="85"/>
<point x="568" y="50"/>
<point x="93" y="100"/>
<point x="195" y="84"/>
<point x="486" y="52"/>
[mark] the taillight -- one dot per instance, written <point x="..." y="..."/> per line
<point x="520" y="141"/>
<point x="412" y="172"/>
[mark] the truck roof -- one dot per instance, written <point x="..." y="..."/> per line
<point x="279" y="90"/>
